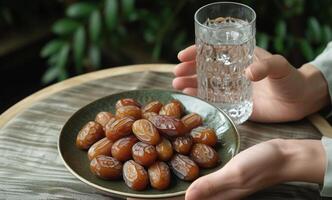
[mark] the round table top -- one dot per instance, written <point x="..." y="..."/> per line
<point x="31" y="168"/>
<point x="25" y="103"/>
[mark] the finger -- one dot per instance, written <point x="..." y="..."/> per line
<point x="261" y="53"/>
<point x="216" y="186"/>
<point x="183" y="82"/>
<point x="199" y="189"/>
<point x="188" y="54"/>
<point x="275" y="67"/>
<point x="185" y="68"/>
<point x="207" y="186"/>
<point x="190" y="91"/>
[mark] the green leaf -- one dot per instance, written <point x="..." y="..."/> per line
<point x="294" y="7"/>
<point x="127" y="7"/>
<point x="63" y="56"/>
<point x="133" y="16"/>
<point x="289" y="43"/>
<point x="278" y="44"/>
<point x="80" y="9"/>
<point x="94" y="55"/>
<point x="263" y="40"/>
<point x="54" y="70"/>
<point x="326" y="34"/>
<point x="53" y="59"/>
<point x="51" y="48"/>
<point x="306" y="50"/>
<point x="111" y="14"/>
<point x="156" y="51"/>
<point x="62" y="75"/>
<point x="95" y="26"/>
<point x="280" y="29"/>
<point x="314" y="31"/>
<point x="65" y="26"/>
<point x="78" y="47"/>
<point x="149" y="35"/>
<point x="50" y="74"/>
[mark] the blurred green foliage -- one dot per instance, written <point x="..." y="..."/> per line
<point x="94" y="31"/>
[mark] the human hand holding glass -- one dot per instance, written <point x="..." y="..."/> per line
<point x="280" y="92"/>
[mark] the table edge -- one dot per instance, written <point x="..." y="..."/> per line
<point x="20" y="106"/>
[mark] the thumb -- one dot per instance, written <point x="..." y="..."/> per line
<point x="274" y="66"/>
<point x="209" y="185"/>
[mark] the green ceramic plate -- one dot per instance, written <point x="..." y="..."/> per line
<point x="77" y="160"/>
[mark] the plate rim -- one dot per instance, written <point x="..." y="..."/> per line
<point x="133" y="195"/>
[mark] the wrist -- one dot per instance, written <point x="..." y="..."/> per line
<point x="316" y="88"/>
<point x="304" y="160"/>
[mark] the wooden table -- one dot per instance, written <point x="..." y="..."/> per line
<point x="30" y="167"/>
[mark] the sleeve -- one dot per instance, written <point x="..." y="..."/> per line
<point x="324" y="63"/>
<point x="326" y="190"/>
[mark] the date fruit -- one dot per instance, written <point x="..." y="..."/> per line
<point x="205" y="135"/>
<point x="135" y="176"/>
<point x="153" y="106"/>
<point x="103" y="117"/>
<point x="133" y="112"/>
<point x="121" y="149"/>
<point x="126" y="102"/>
<point x="204" y="155"/>
<point x="159" y="175"/>
<point x="192" y="120"/>
<point x="174" y="108"/>
<point x="184" y="168"/>
<point x="89" y="134"/>
<point x="144" y="154"/>
<point x="147" y="115"/>
<point x="183" y="144"/>
<point x="119" y="128"/>
<point x="106" y="167"/>
<point x="102" y="147"/>
<point x="168" y="125"/>
<point x="164" y="150"/>
<point x="146" y="132"/>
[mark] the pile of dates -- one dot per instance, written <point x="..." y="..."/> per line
<point x="143" y="144"/>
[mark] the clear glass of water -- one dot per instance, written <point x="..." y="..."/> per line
<point x="225" y="42"/>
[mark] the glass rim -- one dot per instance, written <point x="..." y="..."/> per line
<point x="223" y="2"/>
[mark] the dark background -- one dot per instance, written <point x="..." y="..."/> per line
<point x="42" y="42"/>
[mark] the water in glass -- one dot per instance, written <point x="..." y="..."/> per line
<point x="222" y="57"/>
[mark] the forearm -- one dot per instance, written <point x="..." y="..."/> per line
<point x="316" y="88"/>
<point x="304" y="161"/>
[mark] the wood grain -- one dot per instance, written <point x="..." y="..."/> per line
<point x="321" y="124"/>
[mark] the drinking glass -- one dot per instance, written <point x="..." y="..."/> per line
<point x="225" y="42"/>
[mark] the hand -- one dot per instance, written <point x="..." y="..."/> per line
<point x="280" y="92"/>
<point x="261" y="166"/>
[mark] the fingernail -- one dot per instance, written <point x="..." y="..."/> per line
<point x="249" y="74"/>
<point x="179" y="54"/>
